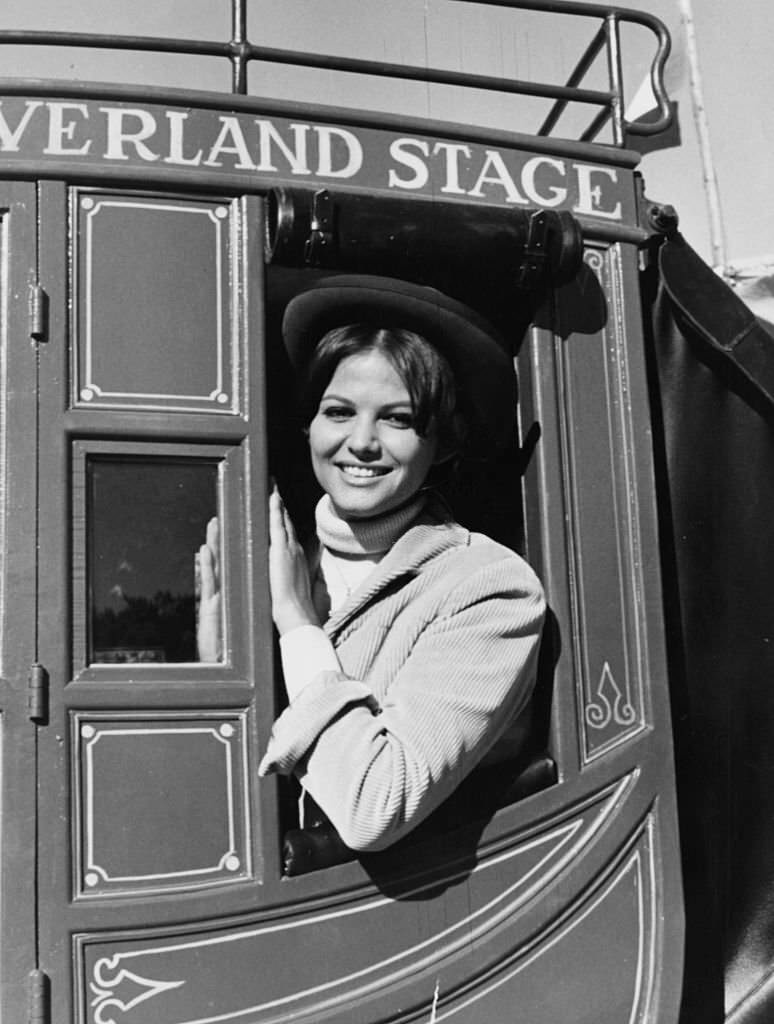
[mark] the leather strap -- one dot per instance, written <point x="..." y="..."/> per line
<point x="717" y="315"/>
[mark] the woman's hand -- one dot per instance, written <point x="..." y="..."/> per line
<point x="291" y="592"/>
<point x="209" y="626"/>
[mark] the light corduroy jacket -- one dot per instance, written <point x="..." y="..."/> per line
<point x="438" y="649"/>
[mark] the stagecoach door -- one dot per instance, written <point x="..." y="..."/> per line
<point x="149" y="426"/>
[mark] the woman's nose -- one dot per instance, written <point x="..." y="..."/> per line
<point x="363" y="439"/>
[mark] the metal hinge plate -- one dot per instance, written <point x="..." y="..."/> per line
<point x="38" y="313"/>
<point x="38" y="998"/>
<point x="37" y="694"/>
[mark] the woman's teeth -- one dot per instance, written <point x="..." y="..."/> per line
<point x="363" y="471"/>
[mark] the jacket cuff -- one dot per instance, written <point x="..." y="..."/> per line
<point x="301" y="723"/>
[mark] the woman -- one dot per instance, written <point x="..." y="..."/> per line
<point x="408" y="644"/>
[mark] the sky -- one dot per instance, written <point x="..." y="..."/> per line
<point x="734" y="43"/>
<point x="735" y="46"/>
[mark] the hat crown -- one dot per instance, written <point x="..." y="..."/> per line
<point x="476" y="352"/>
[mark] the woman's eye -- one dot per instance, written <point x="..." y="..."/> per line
<point x="338" y="413"/>
<point x="403" y="420"/>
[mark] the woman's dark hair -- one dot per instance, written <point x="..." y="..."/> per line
<point x="425" y="372"/>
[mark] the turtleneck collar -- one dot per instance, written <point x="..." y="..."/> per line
<point x="364" y="537"/>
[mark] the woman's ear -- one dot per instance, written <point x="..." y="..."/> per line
<point x="445" y="455"/>
<point x="451" y="442"/>
<point x="444" y="468"/>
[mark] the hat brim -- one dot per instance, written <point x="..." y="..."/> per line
<point x="478" y="356"/>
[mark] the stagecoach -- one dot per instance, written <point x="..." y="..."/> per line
<point x="150" y="238"/>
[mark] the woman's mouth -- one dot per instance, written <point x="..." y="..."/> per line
<point x="363" y="472"/>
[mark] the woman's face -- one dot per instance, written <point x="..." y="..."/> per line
<point x="365" y="452"/>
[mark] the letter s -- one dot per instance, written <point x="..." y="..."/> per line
<point x="399" y="152"/>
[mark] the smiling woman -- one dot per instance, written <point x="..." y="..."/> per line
<point x="370" y="450"/>
<point x="409" y="645"/>
<point x="366" y="452"/>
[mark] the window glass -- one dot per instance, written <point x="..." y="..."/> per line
<point x="147" y="521"/>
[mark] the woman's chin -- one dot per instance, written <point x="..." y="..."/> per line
<point x="362" y="507"/>
<point x="353" y="514"/>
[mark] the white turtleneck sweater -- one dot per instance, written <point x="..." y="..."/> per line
<point x="349" y="552"/>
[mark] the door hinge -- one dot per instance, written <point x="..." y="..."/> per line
<point x="38" y="313"/>
<point x="37" y="693"/>
<point x="38" y="998"/>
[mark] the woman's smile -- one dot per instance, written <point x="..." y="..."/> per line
<point x="365" y="451"/>
<point x="363" y="472"/>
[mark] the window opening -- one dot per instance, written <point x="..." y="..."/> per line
<point x="147" y="520"/>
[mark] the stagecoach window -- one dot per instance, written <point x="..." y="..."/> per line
<point x="147" y="519"/>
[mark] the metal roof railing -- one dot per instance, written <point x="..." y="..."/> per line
<point x="240" y="51"/>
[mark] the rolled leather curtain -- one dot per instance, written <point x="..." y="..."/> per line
<point x="713" y="396"/>
<point x="485" y="256"/>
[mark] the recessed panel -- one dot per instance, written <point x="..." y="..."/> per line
<point x="162" y="803"/>
<point x="154" y="278"/>
<point x="146" y="519"/>
<point x="601" y="483"/>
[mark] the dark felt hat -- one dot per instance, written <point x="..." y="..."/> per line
<point x="478" y="356"/>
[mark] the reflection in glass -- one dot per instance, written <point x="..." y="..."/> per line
<point x="147" y="519"/>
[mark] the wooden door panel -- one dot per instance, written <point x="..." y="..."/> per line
<point x="18" y="573"/>
<point x="153" y="319"/>
<point x="162" y="803"/>
<point x="148" y="796"/>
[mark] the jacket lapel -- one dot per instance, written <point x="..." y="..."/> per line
<point x="420" y="544"/>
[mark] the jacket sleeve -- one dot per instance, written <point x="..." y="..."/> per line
<point x="305" y="651"/>
<point x="377" y="771"/>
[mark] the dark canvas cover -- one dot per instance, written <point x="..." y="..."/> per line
<point x="713" y="394"/>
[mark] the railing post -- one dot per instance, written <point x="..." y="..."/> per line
<point x="239" y="47"/>
<point x="615" y="75"/>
